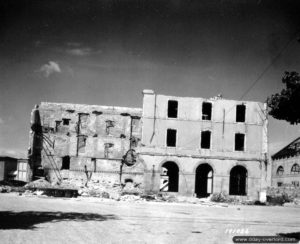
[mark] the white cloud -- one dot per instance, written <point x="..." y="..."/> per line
<point x="50" y="68"/>
<point x="80" y="51"/>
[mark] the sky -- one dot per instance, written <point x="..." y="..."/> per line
<point x="106" y="52"/>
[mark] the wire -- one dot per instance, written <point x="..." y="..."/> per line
<point x="269" y="65"/>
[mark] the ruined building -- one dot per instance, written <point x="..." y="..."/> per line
<point x="190" y="146"/>
<point x="286" y="165"/>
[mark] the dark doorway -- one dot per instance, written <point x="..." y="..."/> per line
<point x="169" y="177"/>
<point x="204" y="180"/>
<point x="238" y="181"/>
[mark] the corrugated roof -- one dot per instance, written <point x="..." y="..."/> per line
<point x="290" y="150"/>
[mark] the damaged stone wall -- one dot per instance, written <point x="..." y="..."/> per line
<point x="79" y="138"/>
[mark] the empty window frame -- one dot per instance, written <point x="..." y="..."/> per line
<point x="108" y="149"/>
<point x="206" y="111"/>
<point x="81" y="143"/>
<point x="172" y="109"/>
<point x="205" y="139"/>
<point x="240" y="113"/>
<point x="280" y="170"/>
<point x="65" y="162"/>
<point x="295" y="169"/>
<point x="57" y="125"/>
<point x="66" y="121"/>
<point x="171" y="138"/>
<point x="279" y="184"/>
<point x="109" y="124"/>
<point x="239" y="142"/>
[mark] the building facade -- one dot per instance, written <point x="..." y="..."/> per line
<point x="286" y="165"/>
<point x="197" y="146"/>
<point x="187" y="146"/>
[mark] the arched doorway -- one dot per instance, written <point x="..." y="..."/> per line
<point x="169" y="177"/>
<point x="204" y="180"/>
<point x="238" y="181"/>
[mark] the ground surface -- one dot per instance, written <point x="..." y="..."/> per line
<point x="53" y="220"/>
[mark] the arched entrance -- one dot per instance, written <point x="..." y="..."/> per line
<point x="204" y="180"/>
<point x="238" y="181"/>
<point x="169" y="177"/>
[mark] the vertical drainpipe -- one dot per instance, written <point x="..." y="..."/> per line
<point x="223" y="129"/>
<point x="154" y="119"/>
<point x="130" y="137"/>
<point x="78" y="132"/>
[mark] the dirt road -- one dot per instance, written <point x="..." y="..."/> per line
<point x="53" y="220"/>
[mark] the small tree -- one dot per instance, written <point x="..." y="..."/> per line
<point x="286" y="105"/>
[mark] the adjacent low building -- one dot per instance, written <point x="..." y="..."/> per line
<point x="187" y="146"/>
<point x="8" y="168"/>
<point x="286" y="165"/>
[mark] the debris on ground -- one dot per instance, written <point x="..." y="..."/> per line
<point x="40" y="183"/>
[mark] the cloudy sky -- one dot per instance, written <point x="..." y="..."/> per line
<point x="106" y="52"/>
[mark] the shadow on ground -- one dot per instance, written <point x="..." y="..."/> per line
<point x="28" y="219"/>
<point x="295" y="235"/>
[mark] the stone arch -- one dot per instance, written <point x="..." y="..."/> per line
<point x="238" y="181"/>
<point x="204" y="162"/>
<point x="238" y="164"/>
<point x="169" y="177"/>
<point x="280" y="170"/>
<point x="204" y="176"/>
<point x="170" y="160"/>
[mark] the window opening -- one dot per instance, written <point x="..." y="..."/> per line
<point x="240" y="113"/>
<point x="66" y="121"/>
<point x="171" y="138"/>
<point x="295" y="169"/>
<point x="280" y="170"/>
<point x="239" y="142"/>
<point x="172" y="109"/>
<point x="109" y="124"/>
<point x="205" y="139"/>
<point x="206" y="111"/>
<point x="65" y="162"/>
<point x="238" y="181"/>
<point x="108" y="149"/>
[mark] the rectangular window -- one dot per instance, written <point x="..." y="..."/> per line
<point x="171" y="138"/>
<point x="240" y="113"/>
<point x="108" y="150"/>
<point x="205" y="139"/>
<point x="206" y="111"/>
<point x="279" y="183"/>
<point x="57" y="125"/>
<point x="81" y="143"/>
<point x="65" y="162"/>
<point x="66" y="121"/>
<point x="109" y="124"/>
<point x="172" y="109"/>
<point x="239" y="142"/>
<point x="135" y="124"/>
<point x="94" y="163"/>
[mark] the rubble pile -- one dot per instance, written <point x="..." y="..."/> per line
<point x="40" y="183"/>
<point x="5" y="189"/>
<point x="285" y="195"/>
